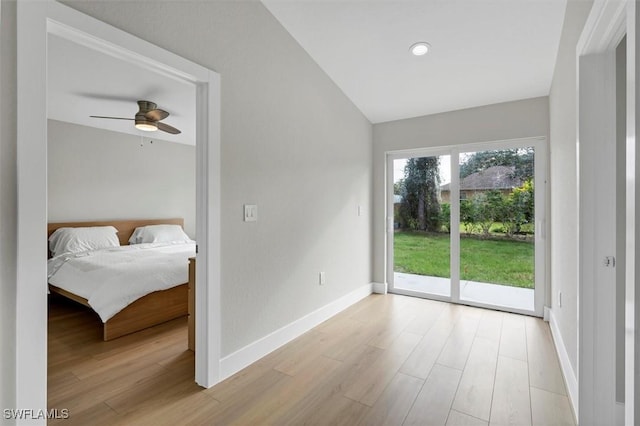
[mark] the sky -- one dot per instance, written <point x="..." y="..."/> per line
<point x="445" y="169"/>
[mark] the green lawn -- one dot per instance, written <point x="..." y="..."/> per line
<point x="490" y="261"/>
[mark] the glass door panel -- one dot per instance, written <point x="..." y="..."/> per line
<point x="421" y="224"/>
<point x="497" y="227"/>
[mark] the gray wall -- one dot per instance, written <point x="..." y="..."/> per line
<point x="96" y="174"/>
<point x="292" y="143"/>
<point x="563" y="155"/>
<point x="510" y="120"/>
<point x="8" y="203"/>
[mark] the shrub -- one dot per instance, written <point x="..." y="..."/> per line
<point x="445" y="216"/>
<point x="468" y="216"/>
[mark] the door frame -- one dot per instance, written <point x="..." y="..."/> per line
<point x="540" y="180"/>
<point x="608" y="22"/>
<point x="36" y="20"/>
<point x="455" y="219"/>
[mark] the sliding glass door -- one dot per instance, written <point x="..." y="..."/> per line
<point x="467" y="224"/>
<point x="422" y="226"/>
<point x="497" y="212"/>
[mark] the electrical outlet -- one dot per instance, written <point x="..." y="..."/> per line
<point x="321" y="278"/>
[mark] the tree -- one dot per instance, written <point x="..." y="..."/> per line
<point x="520" y="158"/>
<point x="397" y="187"/>
<point x="420" y="208"/>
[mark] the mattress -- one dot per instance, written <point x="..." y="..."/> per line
<point x="111" y="279"/>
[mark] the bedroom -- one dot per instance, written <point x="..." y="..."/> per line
<point x="105" y="170"/>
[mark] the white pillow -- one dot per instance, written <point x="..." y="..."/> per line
<point x="159" y="234"/>
<point x="75" y="240"/>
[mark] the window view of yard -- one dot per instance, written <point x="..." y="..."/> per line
<point x="496" y="217"/>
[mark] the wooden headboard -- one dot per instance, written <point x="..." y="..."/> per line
<point x="125" y="227"/>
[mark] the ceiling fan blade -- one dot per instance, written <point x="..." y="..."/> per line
<point x="156" y="114"/>
<point x="169" y="129"/>
<point x="110" y="118"/>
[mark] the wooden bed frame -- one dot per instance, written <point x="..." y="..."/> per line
<point x="152" y="309"/>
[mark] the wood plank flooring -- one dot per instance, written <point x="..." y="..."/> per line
<point x="387" y="360"/>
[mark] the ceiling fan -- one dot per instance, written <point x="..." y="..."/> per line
<point x="148" y="118"/>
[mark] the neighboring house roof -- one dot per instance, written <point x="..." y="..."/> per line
<point x="496" y="177"/>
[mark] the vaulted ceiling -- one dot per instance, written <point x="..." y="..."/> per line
<point x="483" y="51"/>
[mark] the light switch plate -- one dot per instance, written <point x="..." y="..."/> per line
<point x="250" y="213"/>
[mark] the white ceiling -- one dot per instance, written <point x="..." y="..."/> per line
<point x="483" y="51"/>
<point x="84" y="82"/>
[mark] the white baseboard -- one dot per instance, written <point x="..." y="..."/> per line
<point x="379" y="288"/>
<point x="565" y="365"/>
<point x="546" y="313"/>
<point x="240" y="359"/>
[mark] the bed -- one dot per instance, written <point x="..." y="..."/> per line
<point x="151" y="309"/>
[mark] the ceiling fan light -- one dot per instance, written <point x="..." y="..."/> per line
<point x="146" y="126"/>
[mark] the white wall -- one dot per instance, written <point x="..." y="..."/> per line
<point x="563" y="158"/>
<point x="7" y="203"/>
<point x="96" y="174"/>
<point x="509" y="120"/>
<point x="292" y="143"/>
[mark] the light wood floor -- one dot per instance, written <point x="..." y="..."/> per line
<point x="388" y="360"/>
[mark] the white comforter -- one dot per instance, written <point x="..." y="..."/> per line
<point x="111" y="279"/>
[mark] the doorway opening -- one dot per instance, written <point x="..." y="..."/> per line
<point x="35" y="22"/>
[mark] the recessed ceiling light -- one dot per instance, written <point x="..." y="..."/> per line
<point x="420" y="48"/>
